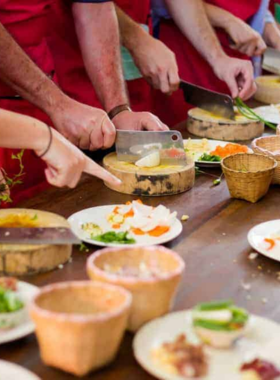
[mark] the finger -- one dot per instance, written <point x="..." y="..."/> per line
<point x="154" y="80"/>
<point x="109" y="133"/>
<point x="75" y="180"/>
<point x="84" y="142"/>
<point x="153" y="124"/>
<point x="248" y="82"/>
<point x="174" y="80"/>
<point x="261" y="47"/>
<point x="54" y="178"/>
<point x="96" y="139"/>
<point x="164" y="83"/>
<point x="232" y="85"/>
<point x="92" y="168"/>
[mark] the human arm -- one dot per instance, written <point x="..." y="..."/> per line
<point x="191" y="18"/>
<point x="65" y="162"/>
<point x="156" y="62"/>
<point x="271" y="32"/>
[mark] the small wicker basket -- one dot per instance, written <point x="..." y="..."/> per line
<point x="248" y="175"/>
<point x="269" y="146"/>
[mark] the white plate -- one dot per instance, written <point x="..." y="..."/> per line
<point x="98" y="216"/>
<point x="26" y="293"/>
<point x="212" y="146"/>
<point x="257" y="235"/>
<point x="269" y="113"/>
<point x="10" y="371"/>
<point x="223" y="364"/>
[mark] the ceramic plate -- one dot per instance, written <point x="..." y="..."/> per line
<point x="223" y="364"/>
<point x="212" y="146"/>
<point x="98" y="216"/>
<point x="26" y="292"/>
<point x="269" y="113"/>
<point x="10" y="371"/>
<point x="262" y="231"/>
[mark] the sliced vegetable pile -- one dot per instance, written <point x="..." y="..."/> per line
<point x="219" y="316"/>
<point x="9" y="301"/>
<point x="115" y="237"/>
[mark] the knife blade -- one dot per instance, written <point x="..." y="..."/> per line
<point x="38" y="236"/>
<point x="214" y="102"/>
<point x="131" y="146"/>
<point x="271" y="61"/>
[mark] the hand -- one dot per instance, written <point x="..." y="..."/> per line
<point x="138" y="121"/>
<point x="271" y="35"/>
<point x="86" y="127"/>
<point x="157" y="64"/>
<point x="245" y="39"/>
<point x="238" y="75"/>
<point x="66" y="163"/>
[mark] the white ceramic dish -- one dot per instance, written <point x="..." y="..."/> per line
<point x="269" y="113"/>
<point x="223" y="364"/>
<point x="98" y="216"/>
<point x="26" y="293"/>
<point x="212" y="146"/>
<point x="10" y="371"/>
<point x="262" y="231"/>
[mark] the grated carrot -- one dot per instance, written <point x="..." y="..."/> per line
<point x="138" y="231"/>
<point x="228" y="150"/>
<point x="129" y="214"/>
<point x="159" y="230"/>
<point x="116" y="226"/>
<point x="116" y="210"/>
<point x="271" y="242"/>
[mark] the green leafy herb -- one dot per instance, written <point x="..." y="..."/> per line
<point x="209" y="158"/>
<point x="250" y="114"/>
<point x="9" y="301"/>
<point x="83" y="248"/>
<point x="115" y="237"/>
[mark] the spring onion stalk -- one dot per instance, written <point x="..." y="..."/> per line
<point x="250" y="114"/>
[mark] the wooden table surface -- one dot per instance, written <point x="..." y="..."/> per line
<point x="213" y="244"/>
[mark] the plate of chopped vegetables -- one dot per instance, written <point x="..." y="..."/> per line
<point x="14" y="299"/>
<point x="265" y="238"/>
<point x="133" y="223"/>
<point x="207" y="153"/>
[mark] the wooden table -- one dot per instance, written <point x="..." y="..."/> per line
<point x="213" y="244"/>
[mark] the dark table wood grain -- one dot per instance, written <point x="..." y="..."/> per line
<point x="213" y="244"/>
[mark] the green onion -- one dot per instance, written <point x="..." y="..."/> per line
<point x="215" y="305"/>
<point x="250" y="114"/>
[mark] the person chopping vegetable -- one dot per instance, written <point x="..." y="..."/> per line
<point x="29" y="77"/>
<point x="203" y="59"/>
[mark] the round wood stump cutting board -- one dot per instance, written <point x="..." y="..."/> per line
<point x="203" y="124"/>
<point x="268" y="91"/>
<point x="158" y="181"/>
<point x="20" y="260"/>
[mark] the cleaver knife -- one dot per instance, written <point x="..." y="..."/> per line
<point x="131" y="146"/>
<point x="38" y="236"/>
<point x="271" y="61"/>
<point x="214" y="102"/>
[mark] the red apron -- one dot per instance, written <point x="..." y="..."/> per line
<point x="70" y="70"/>
<point x="192" y="66"/>
<point x="27" y="22"/>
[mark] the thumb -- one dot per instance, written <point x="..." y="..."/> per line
<point x="96" y="170"/>
<point x="231" y="82"/>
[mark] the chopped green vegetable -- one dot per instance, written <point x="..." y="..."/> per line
<point x="35" y="217"/>
<point x="214" y="305"/>
<point x="83" y="248"/>
<point x="209" y="158"/>
<point x="9" y="301"/>
<point x="115" y="237"/>
<point x="217" y="182"/>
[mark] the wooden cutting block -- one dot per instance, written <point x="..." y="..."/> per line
<point x="204" y="124"/>
<point x="268" y="91"/>
<point x="157" y="181"/>
<point x="19" y="260"/>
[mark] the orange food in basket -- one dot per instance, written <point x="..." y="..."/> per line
<point x="228" y="150"/>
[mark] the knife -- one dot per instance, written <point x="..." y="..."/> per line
<point x="38" y="236"/>
<point x="131" y="146"/>
<point x="214" y="102"/>
<point x="271" y="61"/>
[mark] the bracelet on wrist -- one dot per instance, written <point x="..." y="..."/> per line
<point x="117" y="110"/>
<point x="49" y="143"/>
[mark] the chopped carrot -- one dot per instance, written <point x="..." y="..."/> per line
<point x="116" y="210"/>
<point x="139" y="201"/>
<point x="138" y="231"/>
<point x="159" y="230"/>
<point x="128" y="203"/>
<point x="116" y="226"/>
<point x="228" y="150"/>
<point x="271" y="242"/>
<point x="129" y="214"/>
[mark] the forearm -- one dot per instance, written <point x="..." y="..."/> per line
<point x="97" y="30"/>
<point x="15" y="132"/>
<point x="19" y="72"/>
<point x="191" y="18"/>
<point x="271" y="35"/>
<point x="218" y="17"/>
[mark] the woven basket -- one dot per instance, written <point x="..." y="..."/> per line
<point x="269" y="146"/>
<point x="248" y="175"/>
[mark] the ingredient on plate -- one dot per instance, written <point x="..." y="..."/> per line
<point x="181" y="358"/>
<point x="19" y="220"/>
<point x="150" y="161"/>
<point x="140" y="219"/>
<point x="271" y="241"/>
<point x="220" y="323"/>
<point x="228" y="150"/>
<point x="209" y="158"/>
<point x="259" y="369"/>
<point x="195" y="148"/>
<point x="141" y="271"/>
<point x="92" y="229"/>
<point x="115" y="237"/>
<point x="11" y="307"/>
